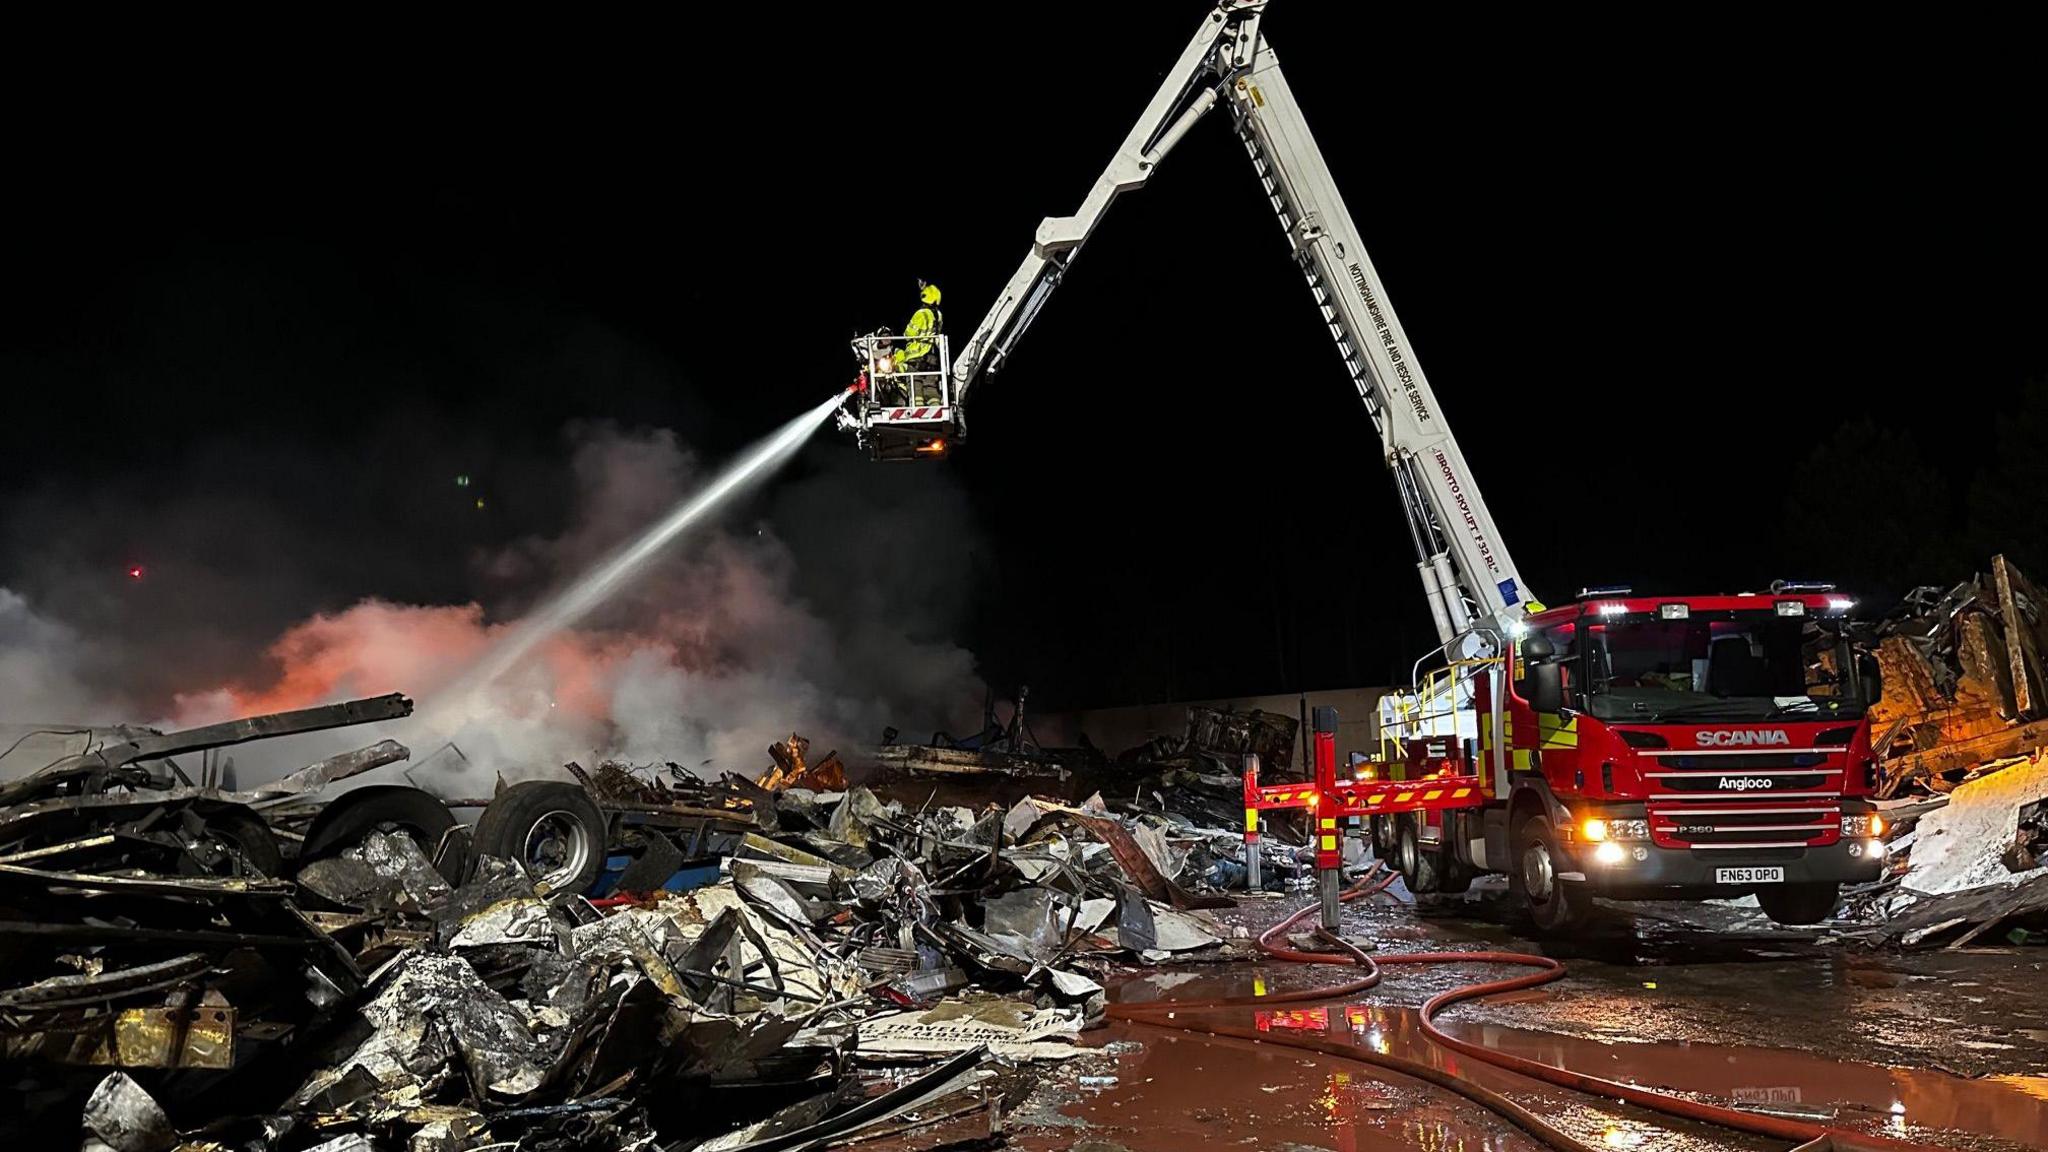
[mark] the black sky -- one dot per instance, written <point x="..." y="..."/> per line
<point x="1650" y="267"/>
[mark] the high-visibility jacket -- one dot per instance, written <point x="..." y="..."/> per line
<point x="925" y="322"/>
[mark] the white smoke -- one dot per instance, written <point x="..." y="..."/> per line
<point x="703" y="659"/>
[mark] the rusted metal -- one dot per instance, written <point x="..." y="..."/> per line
<point x="1138" y="866"/>
<point x="1950" y="757"/>
<point x="172" y="1035"/>
<point x="2015" y="596"/>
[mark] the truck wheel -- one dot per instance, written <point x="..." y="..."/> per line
<point x="379" y="808"/>
<point x="1417" y="864"/>
<point x="254" y="847"/>
<point x="552" y="829"/>
<point x="1554" y="904"/>
<point x="1799" y="903"/>
<point x="1383" y="845"/>
<point x="1453" y="875"/>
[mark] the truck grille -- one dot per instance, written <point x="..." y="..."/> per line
<point x="1721" y="826"/>
<point x="1745" y="761"/>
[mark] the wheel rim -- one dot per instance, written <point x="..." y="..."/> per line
<point x="1411" y="861"/>
<point x="557" y="847"/>
<point x="1538" y="873"/>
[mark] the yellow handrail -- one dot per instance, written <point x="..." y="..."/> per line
<point x="1411" y="710"/>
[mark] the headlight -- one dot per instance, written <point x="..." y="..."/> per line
<point x="1597" y="830"/>
<point x="1865" y="825"/>
<point x="1609" y="854"/>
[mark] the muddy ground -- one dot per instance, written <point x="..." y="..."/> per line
<point x="1714" y="1002"/>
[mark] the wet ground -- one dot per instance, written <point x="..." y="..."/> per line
<point x="1948" y="1049"/>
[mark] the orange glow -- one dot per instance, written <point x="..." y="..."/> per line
<point x="933" y="447"/>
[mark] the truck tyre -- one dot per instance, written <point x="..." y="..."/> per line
<point x="1556" y="905"/>
<point x="1799" y="903"/>
<point x="249" y="837"/>
<point x="379" y="808"/>
<point x="1453" y="876"/>
<point x="1417" y="864"/>
<point x="1383" y="845"/>
<point x="551" y="828"/>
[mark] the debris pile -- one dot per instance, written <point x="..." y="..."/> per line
<point x="626" y="959"/>
<point x="1961" y="737"/>
<point x="1964" y="687"/>
<point x="1964" y="864"/>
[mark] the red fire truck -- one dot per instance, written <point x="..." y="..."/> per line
<point x="1625" y="745"/>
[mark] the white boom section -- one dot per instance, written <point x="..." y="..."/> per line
<point x="1188" y="92"/>
<point x="1473" y="587"/>
<point x="1464" y="564"/>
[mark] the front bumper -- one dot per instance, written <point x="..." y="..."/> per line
<point x="1668" y="871"/>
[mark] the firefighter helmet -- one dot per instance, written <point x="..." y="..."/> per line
<point x="927" y="291"/>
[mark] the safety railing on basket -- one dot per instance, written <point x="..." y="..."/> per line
<point x="906" y="370"/>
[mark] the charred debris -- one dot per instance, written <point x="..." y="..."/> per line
<point x="625" y="957"/>
<point x="1960" y="735"/>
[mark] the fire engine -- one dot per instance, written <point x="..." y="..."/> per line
<point x="1625" y="745"/>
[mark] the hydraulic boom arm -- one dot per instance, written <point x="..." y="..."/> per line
<point x="1473" y="587"/>
<point x="1184" y="97"/>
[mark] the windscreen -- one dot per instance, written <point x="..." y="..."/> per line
<point x="1721" y="666"/>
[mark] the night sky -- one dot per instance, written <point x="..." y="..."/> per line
<point x="1706" y="305"/>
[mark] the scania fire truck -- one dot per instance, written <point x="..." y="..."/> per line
<point x="1627" y="745"/>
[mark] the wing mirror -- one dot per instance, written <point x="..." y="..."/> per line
<point x="1546" y="676"/>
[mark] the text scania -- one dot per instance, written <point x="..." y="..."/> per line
<point x="1726" y="738"/>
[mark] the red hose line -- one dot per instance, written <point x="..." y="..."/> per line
<point x="1547" y="970"/>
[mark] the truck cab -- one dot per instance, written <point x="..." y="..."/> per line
<point x="1686" y="748"/>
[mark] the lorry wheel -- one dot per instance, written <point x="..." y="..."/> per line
<point x="1417" y="864"/>
<point x="551" y="828"/>
<point x="1453" y="875"/>
<point x="1799" y="903"/>
<point x="249" y="837"/>
<point x="1383" y="845"/>
<point x="350" y="819"/>
<point x="1554" y="904"/>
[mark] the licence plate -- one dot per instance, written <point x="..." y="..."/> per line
<point x="1749" y="875"/>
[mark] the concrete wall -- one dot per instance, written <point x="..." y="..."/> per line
<point x="1115" y="729"/>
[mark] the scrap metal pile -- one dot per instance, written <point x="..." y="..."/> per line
<point x="176" y="979"/>
<point x="1961" y="736"/>
<point x="1964" y="687"/>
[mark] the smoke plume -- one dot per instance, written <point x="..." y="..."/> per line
<point x="823" y="605"/>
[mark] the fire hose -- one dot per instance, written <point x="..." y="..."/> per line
<point x="1809" y="1137"/>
